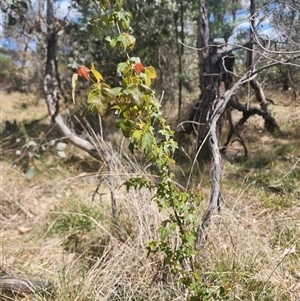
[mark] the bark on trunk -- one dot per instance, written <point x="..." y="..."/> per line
<point x="209" y="77"/>
<point x="214" y="63"/>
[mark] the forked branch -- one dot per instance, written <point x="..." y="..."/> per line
<point x="213" y="116"/>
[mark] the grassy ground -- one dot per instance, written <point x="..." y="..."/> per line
<point x="54" y="227"/>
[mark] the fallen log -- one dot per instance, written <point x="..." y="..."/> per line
<point x="19" y="286"/>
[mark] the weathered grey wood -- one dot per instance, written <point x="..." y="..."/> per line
<point x="17" y="286"/>
<point x="213" y="116"/>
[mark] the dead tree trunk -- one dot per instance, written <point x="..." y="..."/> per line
<point x="216" y="65"/>
<point x="211" y="107"/>
<point x="210" y="63"/>
<point x="220" y="105"/>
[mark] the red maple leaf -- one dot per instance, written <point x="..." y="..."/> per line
<point x="84" y="71"/>
<point x="138" y="67"/>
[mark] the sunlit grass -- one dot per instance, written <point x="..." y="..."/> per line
<point x="53" y="229"/>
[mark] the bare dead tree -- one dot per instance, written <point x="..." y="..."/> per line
<point x="214" y="115"/>
<point x="210" y="70"/>
<point x="215" y="67"/>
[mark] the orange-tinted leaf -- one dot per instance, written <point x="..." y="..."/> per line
<point x="84" y="71"/>
<point x="138" y="67"/>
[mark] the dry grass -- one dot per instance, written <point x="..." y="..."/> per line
<point x="22" y="107"/>
<point x="52" y="229"/>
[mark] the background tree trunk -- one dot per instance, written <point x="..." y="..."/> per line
<point x="212" y="59"/>
<point x="209" y="83"/>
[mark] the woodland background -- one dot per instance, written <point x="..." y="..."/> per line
<point x="56" y="199"/>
